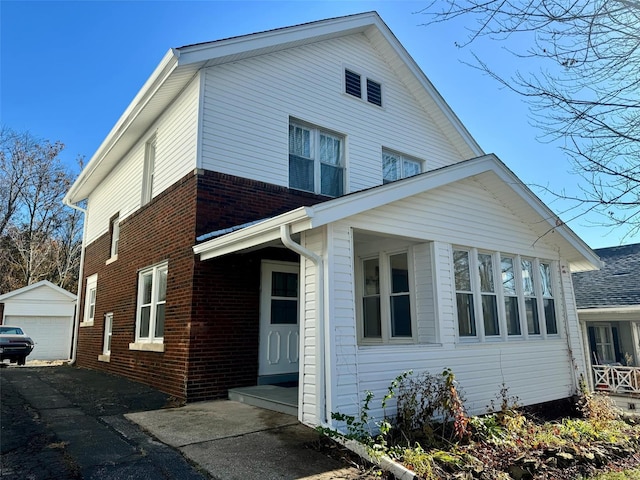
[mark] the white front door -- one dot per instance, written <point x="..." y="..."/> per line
<point x="279" y="319"/>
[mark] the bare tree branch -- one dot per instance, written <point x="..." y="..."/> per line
<point x="581" y="78"/>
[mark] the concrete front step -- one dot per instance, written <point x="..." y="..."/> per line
<point x="270" y="397"/>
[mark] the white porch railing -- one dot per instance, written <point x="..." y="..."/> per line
<point x="616" y="379"/>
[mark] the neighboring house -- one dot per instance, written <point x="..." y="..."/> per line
<point x="45" y="313"/>
<point x="608" y="303"/>
<point x="302" y="205"/>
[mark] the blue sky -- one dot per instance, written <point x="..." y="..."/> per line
<point x="69" y="69"/>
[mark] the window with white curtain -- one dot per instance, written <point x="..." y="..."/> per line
<point x="396" y="166"/>
<point x="316" y="160"/>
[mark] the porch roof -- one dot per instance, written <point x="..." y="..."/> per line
<point x="615" y="285"/>
<point x="493" y="173"/>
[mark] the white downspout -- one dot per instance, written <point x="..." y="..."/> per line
<point x="285" y="236"/>
<point x="76" y="319"/>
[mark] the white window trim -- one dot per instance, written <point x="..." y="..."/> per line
<point x="91" y="283"/>
<point x="480" y="336"/>
<point x="315" y="133"/>
<point x="385" y="299"/>
<point x="114" y="229"/>
<point x="107" y="335"/>
<point x="142" y="343"/>
<point x="149" y="169"/>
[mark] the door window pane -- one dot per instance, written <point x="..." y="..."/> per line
<point x="284" y="312"/>
<point x="284" y="284"/>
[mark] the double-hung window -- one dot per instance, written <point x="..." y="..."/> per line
<point x="510" y="293"/>
<point x="476" y="295"/>
<point x="115" y="236"/>
<point x="90" y="300"/>
<point x="386" y="298"/>
<point x="108" y="332"/>
<point x="316" y="160"/>
<point x="396" y="166"/>
<point x="517" y="295"/>
<point x="488" y="294"/>
<point x="547" y="298"/>
<point x="152" y="292"/>
<point x="530" y="297"/>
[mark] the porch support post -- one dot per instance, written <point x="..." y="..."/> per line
<point x="321" y="389"/>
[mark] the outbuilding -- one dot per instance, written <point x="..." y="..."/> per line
<point x="45" y="312"/>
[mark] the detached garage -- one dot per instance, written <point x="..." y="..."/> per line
<point x="45" y="312"/>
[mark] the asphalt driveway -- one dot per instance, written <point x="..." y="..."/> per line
<point x="64" y="422"/>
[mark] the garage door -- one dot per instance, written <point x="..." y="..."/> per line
<point x="51" y="335"/>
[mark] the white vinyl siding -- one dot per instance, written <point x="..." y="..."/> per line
<point x="535" y="369"/>
<point x="245" y="123"/>
<point x="176" y="134"/>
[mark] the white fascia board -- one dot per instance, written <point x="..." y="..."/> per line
<point x="551" y="219"/>
<point x="613" y="309"/>
<point x="33" y="286"/>
<point x="166" y="66"/>
<point x="257" y="234"/>
<point x="340" y="208"/>
<point x="280" y="37"/>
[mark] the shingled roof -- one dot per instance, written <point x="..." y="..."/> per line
<point x="616" y="284"/>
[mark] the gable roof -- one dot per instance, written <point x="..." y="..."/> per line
<point x="180" y="65"/>
<point x="488" y="169"/>
<point x="34" y="286"/>
<point x="616" y="284"/>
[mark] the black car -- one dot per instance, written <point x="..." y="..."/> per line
<point x="15" y="346"/>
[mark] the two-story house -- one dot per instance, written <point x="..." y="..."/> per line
<point x="301" y="205"/>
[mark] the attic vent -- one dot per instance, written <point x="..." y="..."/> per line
<point x="352" y="83"/>
<point x="374" y="92"/>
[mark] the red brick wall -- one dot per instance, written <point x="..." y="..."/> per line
<point x="211" y="324"/>
<point x="161" y="230"/>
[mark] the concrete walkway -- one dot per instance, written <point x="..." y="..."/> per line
<point x="231" y="440"/>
